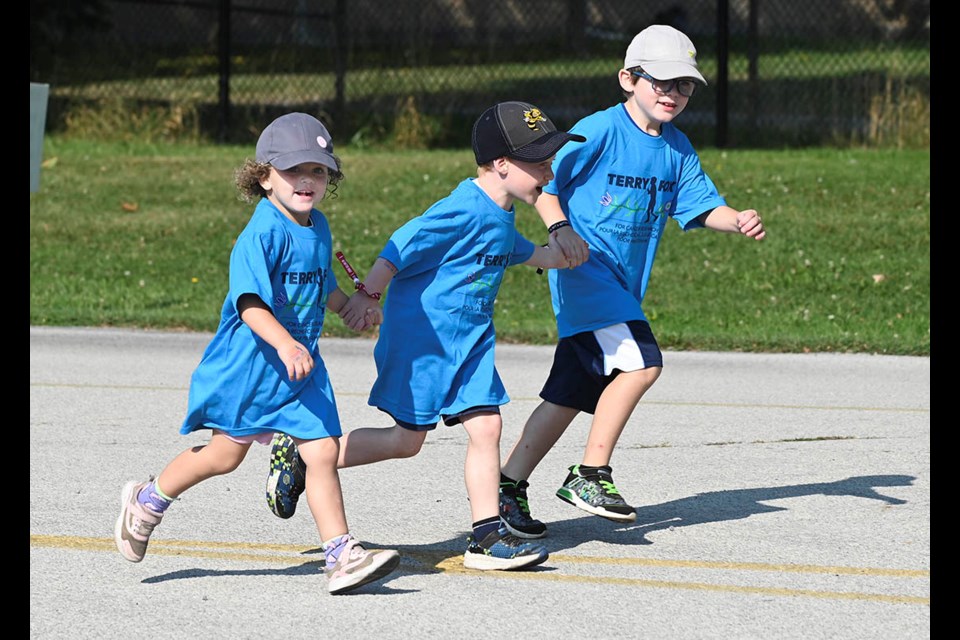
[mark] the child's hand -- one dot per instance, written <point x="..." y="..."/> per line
<point x="297" y="359"/>
<point x="361" y="312"/>
<point x="555" y="258"/>
<point x="750" y="224"/>
<point x="574" y="248"/>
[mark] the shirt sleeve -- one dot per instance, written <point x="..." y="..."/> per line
<point x="250" y="263"/>
<point x="522" y="249"/>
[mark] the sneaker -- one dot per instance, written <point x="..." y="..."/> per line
<point x="286" y="480"/>
<point x="357" y="566"/>
<point x="501" y="550"/>
<point x="515" y="511"/>
<point x="596" y="495"/>
<point x="135" y="524"/>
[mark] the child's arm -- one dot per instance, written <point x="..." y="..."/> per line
<point x="549" y="256"/>
<point x="729" y="220"/>
<point x="363" y="304"/>
<point x="257" y="315"/>
<point x="567" y="240"/>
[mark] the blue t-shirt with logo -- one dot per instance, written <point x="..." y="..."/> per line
<point x="241" y="386"/>
<point x="435" y="352"/>
<point x="618" y="189"/>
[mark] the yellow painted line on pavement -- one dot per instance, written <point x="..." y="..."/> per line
<point x="442" y="562"/>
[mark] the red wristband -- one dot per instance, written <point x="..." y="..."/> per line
<point x="360" y="287"/>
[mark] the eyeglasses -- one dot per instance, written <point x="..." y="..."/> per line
<point x="684" y="87"/>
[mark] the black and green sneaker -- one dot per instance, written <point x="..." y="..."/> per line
<point x="595" y="493"/>
<point x="287" y="478"/>
<point x="515" y="511"/>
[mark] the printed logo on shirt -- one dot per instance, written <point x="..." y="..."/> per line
<point x="491" y="260"/>
<point x="294" y="305"/>
<point x="302" y="277"/>
<point x="651" y="185"/>
<point x="293" y="299"/>
<point x="482" y="283"/>
<point x="636" y="219"/>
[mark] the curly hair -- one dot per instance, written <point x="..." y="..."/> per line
<point x="248" y="176"/>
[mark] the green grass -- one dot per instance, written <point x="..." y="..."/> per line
<point x="140" y="235"/>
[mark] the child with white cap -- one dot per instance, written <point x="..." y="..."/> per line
<point x="435" y="351"/>
<point x="616" y="191"/>
<point x="262" y="371"/>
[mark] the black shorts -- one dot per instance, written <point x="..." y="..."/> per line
<point x="578" y="376"/>
<point x="448" y="419"/>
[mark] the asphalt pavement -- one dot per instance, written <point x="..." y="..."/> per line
<point x="778" y="497"/>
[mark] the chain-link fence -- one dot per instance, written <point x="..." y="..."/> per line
<point x="417" y="74"/>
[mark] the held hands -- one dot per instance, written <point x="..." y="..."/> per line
<point x="361" y="312"/>
<point x="750" y="225"/>
<point x="297" y="359"/>
<point x="574" y="248"/>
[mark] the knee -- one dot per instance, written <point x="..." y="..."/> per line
<point x="409" y="442"/>
<point x="652" y="374"/>
<point x="322" y="452"/>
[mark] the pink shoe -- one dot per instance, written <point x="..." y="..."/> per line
<point x="356" y="566"/>
<point x="135" y="524"/>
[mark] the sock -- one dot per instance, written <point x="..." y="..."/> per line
<point x="504" y="479"/>
<point x="333" y="547"/>
<point x="153" y="498"/>
<point x="483" y="528"/>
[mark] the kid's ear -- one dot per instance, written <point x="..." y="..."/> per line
<point x="627" y="80"/>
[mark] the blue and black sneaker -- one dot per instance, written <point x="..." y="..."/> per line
<point x="501" y="550"/>
<point x="515" y="511"/>
<point x="287" y="478"/>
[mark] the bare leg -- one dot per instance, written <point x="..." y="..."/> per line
<point x="324" y="495"/>
<point x="616" y="404"/>
<point x="219" y="456"/>
<point x="373" y="444"/>
<point x="481" y="469"/>
<point x="542" y="430"/>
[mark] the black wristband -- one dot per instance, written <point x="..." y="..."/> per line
<point x="558" y="225"/>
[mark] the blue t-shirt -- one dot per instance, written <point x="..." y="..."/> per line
<point x="618" y="189"/>
<point x="241" y="386"/>
<point x="435" y="352"/>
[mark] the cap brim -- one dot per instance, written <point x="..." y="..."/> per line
<point x="672" y="70"/>
<point x="288" y="160"/>
<point x="545" y="147"/>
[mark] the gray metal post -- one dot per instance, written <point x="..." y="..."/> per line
<point x="39" y="93"/>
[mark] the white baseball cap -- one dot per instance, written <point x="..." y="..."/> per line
<point x="664" y="53"/>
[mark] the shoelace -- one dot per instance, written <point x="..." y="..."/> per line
<point x="524" y="505"/>
<point x="608" y="487"/>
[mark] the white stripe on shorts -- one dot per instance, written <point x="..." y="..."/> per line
<point x="620" y="350"/>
